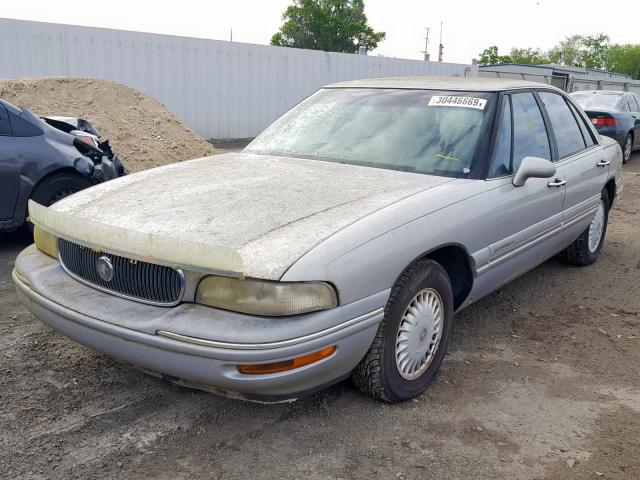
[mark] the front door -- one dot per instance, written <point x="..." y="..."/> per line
<point x="524" y="220"/>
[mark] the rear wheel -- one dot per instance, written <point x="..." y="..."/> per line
<point x="585" y="250"/>
<point x="627" y="148"/>
<point x="411" y="340"/>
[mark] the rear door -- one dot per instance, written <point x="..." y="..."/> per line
<point x="580" y="161"/>
<point x="634" y="104"/>
<point x="9" y="170"/>
<point x="525" y="220"/>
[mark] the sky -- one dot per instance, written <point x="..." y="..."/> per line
<point x="468" y="26"/>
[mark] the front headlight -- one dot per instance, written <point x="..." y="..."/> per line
<point x="260" y="297"/>
<point x="45" y="241"/>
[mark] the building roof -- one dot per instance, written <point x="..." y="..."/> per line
<point x="477" y="84"/>
<point x="558" y="68"/>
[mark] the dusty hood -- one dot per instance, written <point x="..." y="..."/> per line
<point x="250" y="214"/>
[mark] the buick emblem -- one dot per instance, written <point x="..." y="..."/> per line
<point x="104" y="267"/>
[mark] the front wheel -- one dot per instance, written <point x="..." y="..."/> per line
<point x="585" y="250"/>
<point x="57" y="187"/>
<point x="410" y="344"/>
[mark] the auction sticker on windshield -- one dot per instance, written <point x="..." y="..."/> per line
<point x="454" y="101"/>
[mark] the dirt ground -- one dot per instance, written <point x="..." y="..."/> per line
<point x="542" y="381"/>
<point x="140" y="129"/>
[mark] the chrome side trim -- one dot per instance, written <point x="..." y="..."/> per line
<point x="580" y="216"/>
<point x="511" y="250"/>
<point x="282" y="343"/>
<point x="127" y="297"/>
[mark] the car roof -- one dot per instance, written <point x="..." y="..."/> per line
<point x="476" y="84"/>
<point x="600" y="92"/>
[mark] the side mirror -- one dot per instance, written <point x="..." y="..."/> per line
<point x="533" y="167"/>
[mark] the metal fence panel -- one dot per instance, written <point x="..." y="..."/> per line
<point x="221" y="89"/>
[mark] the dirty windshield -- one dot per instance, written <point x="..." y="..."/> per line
<point x="422" y="131"/>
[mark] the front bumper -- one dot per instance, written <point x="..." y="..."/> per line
<point x="207" y="357"/>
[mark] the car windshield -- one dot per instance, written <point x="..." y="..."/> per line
<point x="422" y="131"/>
<point x="608" y="101"/>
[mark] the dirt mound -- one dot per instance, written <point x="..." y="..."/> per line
<point x="141" y="130"/>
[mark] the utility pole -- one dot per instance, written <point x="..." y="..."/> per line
<point x="231" y="35"/>
<point x="441" y="47"/>
<point x="426" y="45"/>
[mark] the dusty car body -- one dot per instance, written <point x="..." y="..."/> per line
<point x="46" y="159"/>
<point x="316" y="254"/>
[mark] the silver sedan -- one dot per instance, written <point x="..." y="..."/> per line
<point x="339" y="243"/>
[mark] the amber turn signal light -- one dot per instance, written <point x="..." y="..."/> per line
<point x="264" y="368"/>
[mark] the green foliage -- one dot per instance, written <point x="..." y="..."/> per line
<point x="528" y="56"/>
<point x="595" y="49"/>
<point x="624" y="59"/>
<point x="490" y="56"/>
<point x="329" y="25"/>
<point x="590" y="51"/>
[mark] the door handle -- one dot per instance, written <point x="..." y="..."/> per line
<point x="603" y="163"/>
<point x="558" y="182"/>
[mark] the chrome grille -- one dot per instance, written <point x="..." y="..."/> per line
<point x="141" y="281"/>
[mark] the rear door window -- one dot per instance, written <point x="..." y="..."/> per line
<point x="586" y="132"/>
<point x="529" y="132"/>
<point x="5" y="125"/>
<point x="565" y="128"/>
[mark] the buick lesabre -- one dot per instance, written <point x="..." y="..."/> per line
<point x="339" y="243"/>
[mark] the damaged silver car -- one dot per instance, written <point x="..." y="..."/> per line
<point x="339" y="243"/>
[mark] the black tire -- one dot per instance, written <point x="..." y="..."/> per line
<point x="57" y="187"/>
<point x="627" y="148"/>
<point x="377" y="374"/>
<point x="579" y="253"/>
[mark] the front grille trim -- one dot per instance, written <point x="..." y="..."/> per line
<point x="139" y="287"/>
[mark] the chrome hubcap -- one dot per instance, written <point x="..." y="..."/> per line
<point x="419" y="334"/>
<point x="627" y="148"/>
<point x="596" y="228"/>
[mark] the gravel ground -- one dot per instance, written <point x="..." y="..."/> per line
<point x="541" y="382"/>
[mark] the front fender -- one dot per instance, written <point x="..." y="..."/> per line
<point x="369" y="256"/>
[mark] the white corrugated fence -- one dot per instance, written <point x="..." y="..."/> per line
<point x="221" y="89"/>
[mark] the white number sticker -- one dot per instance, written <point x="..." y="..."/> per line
<point x="452" y="101"/>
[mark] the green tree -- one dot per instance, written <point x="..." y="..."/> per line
<point x="567" y="52"/>
<point x="595" y="50"/>
<point x="581" y="51"/>
<point x="624" y="59"/>
<point x="329" y="25"/>
<point x="528" y="56"/>
<point x="490" y="56"/>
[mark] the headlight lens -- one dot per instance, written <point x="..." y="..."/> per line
<point x="45" y="241"/>
<point x="259" y="297"/>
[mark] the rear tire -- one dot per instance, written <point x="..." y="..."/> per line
<point x="57" y="187"/>
<point x="585" y="250"/>
<point x="411" y="341"/>
<point x="627" y="148"/>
